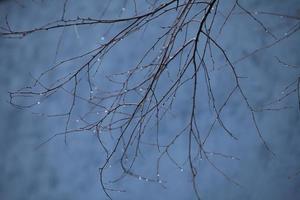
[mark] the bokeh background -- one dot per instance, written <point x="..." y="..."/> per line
<point x="59" y="171"/>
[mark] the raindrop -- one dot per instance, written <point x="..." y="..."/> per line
<point x="38" y="103"/>
<point x="91" y="91"/>
<point x="98" y="59"/>
<point x="146" y="180"/>
<point x="141" y="89"/>
<point x="160" y="181"/>
<point x="140" y="178"/>
<point x="123" y="9"/>
<point x="106" y="111"/>
<point x="102" y="38"/>
<point x="157" y="175"/>
<point x="255" y="13"/>
<point x="181" y="170"/>
<point x="77" y="120"/>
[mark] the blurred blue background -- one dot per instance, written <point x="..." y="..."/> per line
<point x="59" y="171"/>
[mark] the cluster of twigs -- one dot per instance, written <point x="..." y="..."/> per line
<point x="142" y="96"/>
